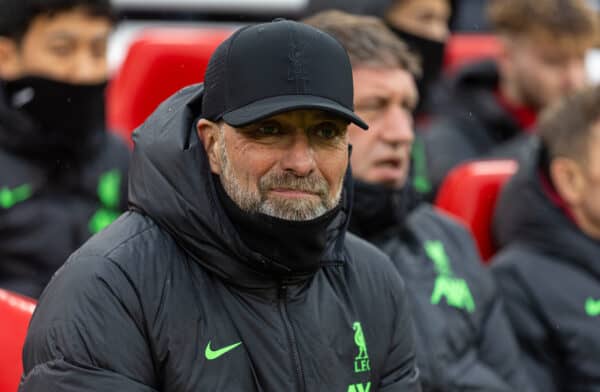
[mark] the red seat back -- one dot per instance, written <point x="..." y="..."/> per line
<point x="159" y="63"/>
<point x="466" y="48"/>
<point x="15" y="313"/>
<point x="469" y="192"/>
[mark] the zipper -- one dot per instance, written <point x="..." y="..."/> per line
<point x="291" y="337"/>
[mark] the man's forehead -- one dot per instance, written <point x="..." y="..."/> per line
<point x="71" y="23"/>
<point x="380" y="80"/>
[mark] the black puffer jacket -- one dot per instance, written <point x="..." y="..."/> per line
<point x="464" y="340"/>
<point x="469" y="124"/>
<point x="171" y="298"/>
<point x="52" y="200"/>
<point x="549" y="273"/>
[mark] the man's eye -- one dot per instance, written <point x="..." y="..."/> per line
<point x="327" y="131"/>
<point x="426" y="18"/>
<point x="269" y="130"/>
<point x="372" y="106"/>
<point x="98" y="50"/>
<point x="61" y="47"/>
<point x="409" y="106"/>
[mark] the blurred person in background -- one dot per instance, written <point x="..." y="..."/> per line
<point x="464" y="340"/>
<point x="491" y="106"/>
<point x="548" y="223"/>
<point x="62" y="176"/>
<point x="425" y="26"/>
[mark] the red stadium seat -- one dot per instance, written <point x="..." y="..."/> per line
<point x="466" y="48"/>
<point x="469" y="193"/>
<point x="158" y="63"/>
<point x="15" y="312"/>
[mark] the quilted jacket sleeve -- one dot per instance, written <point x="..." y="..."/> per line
<point x="88" y="333"/>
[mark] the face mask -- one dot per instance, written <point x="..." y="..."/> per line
<point x="66" y="115"/>
<point x="431" y="54"/>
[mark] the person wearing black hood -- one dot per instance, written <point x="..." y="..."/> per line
<point x="425" y="27"/>
<point x="490" y="107"/>
<point x="548" y="225"/>
<point x="464" y="340"/>
<point x="62" y="177"/>
<point x="233" y="270"/>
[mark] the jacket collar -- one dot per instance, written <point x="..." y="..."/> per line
<point x="378" y="208"/>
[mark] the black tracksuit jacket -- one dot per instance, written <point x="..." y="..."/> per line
<point x="468" y="123"/>
<point x="549" y="273"/>
<point x="171" y="298"/>
<point x="53" y="199"/>
<point x="464" y="340"/>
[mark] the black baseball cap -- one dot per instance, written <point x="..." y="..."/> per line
<point x="270" y="68"/>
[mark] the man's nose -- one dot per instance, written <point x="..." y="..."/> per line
<point x="88" y="69"/>
<point x="439" y="31"/>
<point x="299" y="157"/>
<point x="397" y="126"/>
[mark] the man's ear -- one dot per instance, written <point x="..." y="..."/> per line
<point x="209" y="134"/>
<point x="567" y="177"/>
<point x="9" y="59"/>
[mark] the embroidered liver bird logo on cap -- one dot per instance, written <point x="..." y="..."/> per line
<point x="297" y="69"/>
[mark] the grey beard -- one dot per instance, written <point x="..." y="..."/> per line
<point x="288" y="209"/>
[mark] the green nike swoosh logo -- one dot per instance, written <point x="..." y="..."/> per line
<point x="592" y="307"/>
<point x="10" y="197"/>
<point x="210" y="354"/>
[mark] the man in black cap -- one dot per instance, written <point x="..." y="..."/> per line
<point x="233" y="270"/>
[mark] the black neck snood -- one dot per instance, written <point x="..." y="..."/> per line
<point x="54" y="120"/>
<point x="377" y="208"/>
<point x="290" y="248"/>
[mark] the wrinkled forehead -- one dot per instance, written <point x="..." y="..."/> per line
<point x="383" y="82"/>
